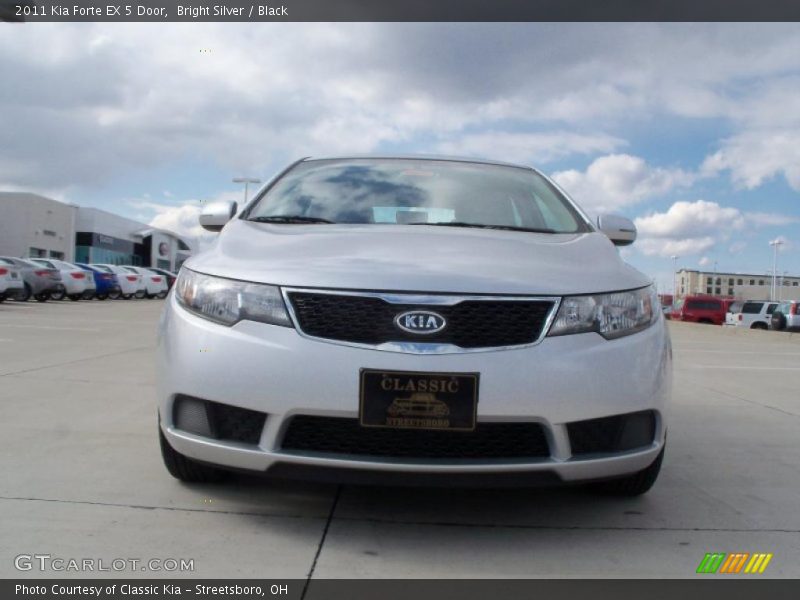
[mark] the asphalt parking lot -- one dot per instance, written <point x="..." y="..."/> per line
<point x="82" y="475"/>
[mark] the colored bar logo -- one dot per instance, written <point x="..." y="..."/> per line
<point x="734" y="563"/>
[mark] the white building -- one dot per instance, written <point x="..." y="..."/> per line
<point x="35" y="226"/>
<point x="742" y="286"/>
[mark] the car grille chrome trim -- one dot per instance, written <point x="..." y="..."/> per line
<point x="422" y="301"/>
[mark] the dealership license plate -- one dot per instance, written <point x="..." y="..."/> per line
<point x="414" y="400"/>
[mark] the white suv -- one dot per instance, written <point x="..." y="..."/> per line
<point x="750" y="314"/>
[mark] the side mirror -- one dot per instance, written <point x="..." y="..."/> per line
<point x="619" y="230"/>
<point x="214" y="216"/>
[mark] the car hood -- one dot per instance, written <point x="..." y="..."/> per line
<point x="418" y="258"/>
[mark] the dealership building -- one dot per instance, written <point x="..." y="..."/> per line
<point x="39" y="227"/>
<point x="742" y="286"/>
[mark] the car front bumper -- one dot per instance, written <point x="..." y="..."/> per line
<point x="276" y="371"/>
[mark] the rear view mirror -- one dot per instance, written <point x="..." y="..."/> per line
<point x="619" y="230"/>
<point x="214" y="216"/>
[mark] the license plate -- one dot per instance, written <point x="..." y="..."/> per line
<point x="414" y="400"/>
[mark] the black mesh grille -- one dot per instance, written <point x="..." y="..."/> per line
<point x="222" y="421"/>
<point x="239" y="424"/>
<point x="470" y="324"/>
<point x="336" y="435"/>
<point x="612" y="434"/>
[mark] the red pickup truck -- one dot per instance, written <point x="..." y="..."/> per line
<point x="701" y="309"/>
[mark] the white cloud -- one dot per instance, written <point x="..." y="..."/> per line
<point x="143" y="96"/>
<point x="529" y="148"/>
<point x="687" y="228"/>
<point x="690" y="219"/>
<point x="667" y="247"/>
<point x="704" y="261"/>
<point x="752" y="157"/>
<point x="619" y="180"/>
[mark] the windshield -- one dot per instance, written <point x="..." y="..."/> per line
<point x="417" y="192"/>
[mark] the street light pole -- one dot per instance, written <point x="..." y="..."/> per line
<point x="774" y="244"/>
<point x="674" y="258"/>
<point x="246" y="181"/>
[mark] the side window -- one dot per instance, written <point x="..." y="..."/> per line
<point x="771" y="308"/>
<point x="752" y="308"/>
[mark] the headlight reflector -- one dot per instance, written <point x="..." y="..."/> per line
<point x="611" y="315"/>
<point x="228" y="301"/>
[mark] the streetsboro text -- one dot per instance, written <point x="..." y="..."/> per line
<point x="195" y="12"/>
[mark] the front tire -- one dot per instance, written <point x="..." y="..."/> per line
<point x="140" y="294"/>
<point x="633" y="485"/>
<point x="185" y="469"/>
<point x="57" y="295"/>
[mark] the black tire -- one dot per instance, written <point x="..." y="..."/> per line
<point x="185" y="469"/>
<point x="127" y="296"/>
<point x="778" y="321"/>
<point x="632" y="485"/>
<point x="149" y="296"/>
<point x="42" y="297"/>
<point x="162" y="295"/>
<point x="26" y="295"/>
<point x="140" y="294"/>
<point x="114" y="295"/>
<point x="101" y="296"/>
<point x="57" y="296"/>
<point x="2" y="298"/>
<point x="758" y="325"/>
<point x="75" y="297"/>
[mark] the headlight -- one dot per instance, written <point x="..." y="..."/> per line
<point x="611" y="315"/>
<point x="228" y="301"/>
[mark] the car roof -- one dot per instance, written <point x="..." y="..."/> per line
<point x="430" y="157"/>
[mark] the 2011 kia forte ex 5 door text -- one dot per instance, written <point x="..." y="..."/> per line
<point x="414" y="320"/>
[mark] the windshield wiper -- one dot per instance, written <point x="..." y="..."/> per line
<point x="289" y="219"/>
<point x="484" y="226"/>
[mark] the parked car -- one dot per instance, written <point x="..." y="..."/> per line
<point x="701" y="309"/>
<point x="106" y="284"/>
<point x="171" y="277"/>
<point x="131" y="284"/>
<point x="75" y="280"/>
<point x="751" y="314"/>
<point x="786" y="316"/>
<point x="352" y="285"/>
<point x="11" y="284"/>
<point x="155" y="283"/>
<point x="39" y="282"/>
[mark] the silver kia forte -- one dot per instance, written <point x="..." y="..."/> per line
<point x="419" y="321"/>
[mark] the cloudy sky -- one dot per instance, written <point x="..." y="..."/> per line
<point x="691" y="130"/>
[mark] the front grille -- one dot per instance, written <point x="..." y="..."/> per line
<point x="612" y="434"/>
<point x="343" y="436"/>
<point x="470" y="323"/>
